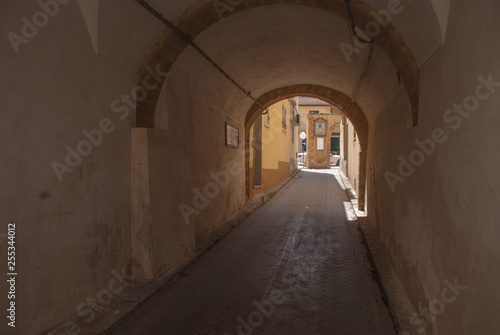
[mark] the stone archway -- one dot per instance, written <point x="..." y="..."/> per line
<point x="201" y="15"/>
<point x="352" y="111"/>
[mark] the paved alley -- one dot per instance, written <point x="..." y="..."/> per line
<point x="295" y="266"/>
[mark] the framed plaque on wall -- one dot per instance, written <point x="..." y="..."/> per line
<point x="232" y="136"/>
<point x="320" y="143"/>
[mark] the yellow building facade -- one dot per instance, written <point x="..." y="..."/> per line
<point x="273" y="147"/>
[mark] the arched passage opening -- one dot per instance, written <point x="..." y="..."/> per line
<point x="204" y="14"/>
<point x="351" y="110"/>
<point x="271" y="50"/>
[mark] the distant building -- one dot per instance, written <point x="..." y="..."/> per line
<point x="310" y="106"/>
<point x="311" y="109"/>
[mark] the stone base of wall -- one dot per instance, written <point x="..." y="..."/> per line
<point x="270" y="178"/>
<point x="318" y="159"/>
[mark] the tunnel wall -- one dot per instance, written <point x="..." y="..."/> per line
<point x="73" y="232"/>
<point x="74" y="235"/>
<point x="350" y="160"/>
<point x="75" y="77"/>
<point x="189" y="181"/>
<point x="162" y="230"/>
<point x="217" y="170"/>
<point x="438" y="223"/>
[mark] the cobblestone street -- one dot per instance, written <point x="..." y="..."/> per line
<point x="295" y="266"/>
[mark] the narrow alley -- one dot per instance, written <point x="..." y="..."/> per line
<point x="249" y="167"/>
<point x="295" y="266"/>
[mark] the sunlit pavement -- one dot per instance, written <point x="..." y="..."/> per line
<point x="295" y="266"/>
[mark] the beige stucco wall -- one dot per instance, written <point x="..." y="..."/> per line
<point x="349" y="153"/>
<point x="74" y="232"/>
<point x="197" y="117"/>
<point x="73" y="235"/>
<point x="162" y="223"/>
<point x="440" y="222"/>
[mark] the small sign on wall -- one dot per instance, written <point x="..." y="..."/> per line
<point x="320" y="143"/>
<point x="232" y="136"/>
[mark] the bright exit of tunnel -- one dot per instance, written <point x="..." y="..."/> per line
<point x="303" y="132"/>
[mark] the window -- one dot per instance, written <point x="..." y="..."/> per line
<point x="283" y="120"/>
<point x="313" y="112"/>
<point x="355" y="136"/>
<point x="335" y="144"/>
